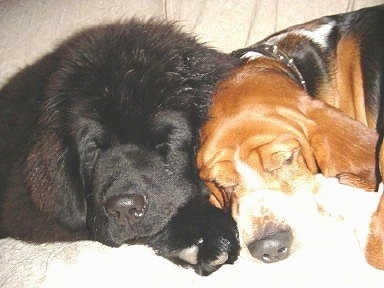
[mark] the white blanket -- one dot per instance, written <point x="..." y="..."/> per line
<point x="333" y="258"/>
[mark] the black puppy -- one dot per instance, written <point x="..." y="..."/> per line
<point x="97" y="140"/>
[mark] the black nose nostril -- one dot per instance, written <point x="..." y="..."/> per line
<point x="126" y="209"/>
<point x="272" y="248"/>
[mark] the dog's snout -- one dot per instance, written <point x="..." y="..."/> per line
<point x="126" y="209"/>
<point x="272" y="248"/>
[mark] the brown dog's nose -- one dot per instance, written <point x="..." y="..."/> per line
<point x="126" y="209"/>
<point x="272" y="248"/>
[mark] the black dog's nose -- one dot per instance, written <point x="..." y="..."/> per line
<point x="126" y="208"/>
<point x="272" y="248"/>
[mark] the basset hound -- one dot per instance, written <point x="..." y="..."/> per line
<point x="307" y="100"/>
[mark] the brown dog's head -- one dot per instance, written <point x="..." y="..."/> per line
<point x="266" y="135"/>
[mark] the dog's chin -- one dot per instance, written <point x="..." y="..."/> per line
<point x="115" y="236"/>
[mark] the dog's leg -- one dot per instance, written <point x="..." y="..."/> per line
<point x="374" y="252"/>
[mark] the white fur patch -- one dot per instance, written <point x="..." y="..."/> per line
<point x="319" y="35"/>
<point x="189" y="254"/>
<point x="348" y="205"/>
<point x="251" y="55"/>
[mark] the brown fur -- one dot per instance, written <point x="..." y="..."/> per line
<point x="262" y="118"/>
<point x="269" y="124"/>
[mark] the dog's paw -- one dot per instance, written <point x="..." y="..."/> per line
<point x="205" y="263"/>
<point x="200" y="236"/>
<point x="191" y="254"/>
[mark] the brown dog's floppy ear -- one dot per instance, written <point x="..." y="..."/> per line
<point x="219" y="175"/>
<point x="220" y="196"/>
<point x="55" y="189"/>
<point x="221" y="179"/>
<point x="341" y="144"/>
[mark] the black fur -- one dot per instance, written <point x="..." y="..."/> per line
<point x="115" y="110"/>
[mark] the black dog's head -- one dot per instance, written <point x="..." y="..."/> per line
<point x="138" y="188"/>
<point x="115" y="142"/>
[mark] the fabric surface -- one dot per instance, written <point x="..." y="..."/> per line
<point x="29" y="28"/>
<point x="330" y="257"/>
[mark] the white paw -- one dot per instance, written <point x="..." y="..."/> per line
<point x="190" y="255"/>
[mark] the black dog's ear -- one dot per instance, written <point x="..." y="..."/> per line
<point x="51" y="173"/>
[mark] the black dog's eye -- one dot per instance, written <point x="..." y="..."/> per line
<point x="162" y="148"/>
<point x="159" y="141"/>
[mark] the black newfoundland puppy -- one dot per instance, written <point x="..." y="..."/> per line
<point x="97" y="141"/>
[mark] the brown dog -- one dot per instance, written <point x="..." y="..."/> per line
<point x="306" y="101"/>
